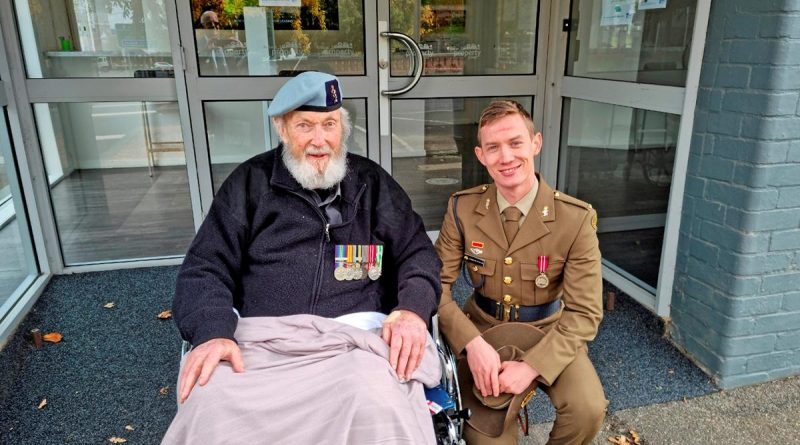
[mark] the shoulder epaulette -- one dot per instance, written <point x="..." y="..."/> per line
<point x="472" y="191"/>
<point x="571" y="200"/>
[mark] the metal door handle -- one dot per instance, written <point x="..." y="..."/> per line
<point x="418" y="61"/>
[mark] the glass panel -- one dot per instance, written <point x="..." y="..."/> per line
<point x="466" y="37"/>
<point x="95" y="38"/>
<point x="645" y="41"/>
<point x="237" y="131"/>
<point x="241" y="38"/>
<point x="433" y="154"/>
<point x="16" y="263"/>
<point x="620" y="160"/>
<point x="118" y="181"/>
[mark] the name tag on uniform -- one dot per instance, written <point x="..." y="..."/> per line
<point x="474" y="260"/>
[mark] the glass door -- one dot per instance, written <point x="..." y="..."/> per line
<point x="18" y="267"/>
<point x="465" y="53"/>
<point x="415" y="74"/>
<point x="625" y="73"/>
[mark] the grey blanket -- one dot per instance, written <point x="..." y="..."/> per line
<point x="308" y="380"/>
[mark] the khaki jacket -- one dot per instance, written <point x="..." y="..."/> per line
<point x="558" y="226"/>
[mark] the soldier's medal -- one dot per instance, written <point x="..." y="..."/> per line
<point x="541" y="280"/>
<point x="358" y="272"/>
<point x="339" y="272"/>
<point x="349" y="269"/>
<point x="376" y="260"/>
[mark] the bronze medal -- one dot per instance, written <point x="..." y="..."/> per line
<point x="542" y="281"/>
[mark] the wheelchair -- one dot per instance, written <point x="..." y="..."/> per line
<point x="444" y="400"/>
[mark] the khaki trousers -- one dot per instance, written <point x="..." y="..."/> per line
<point x="577" y="396"/>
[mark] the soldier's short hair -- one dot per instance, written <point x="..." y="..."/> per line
<point x="502" y="108"/>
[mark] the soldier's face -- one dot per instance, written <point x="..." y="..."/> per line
<point x="313" y="137"/>
<point x="507" y="150"/>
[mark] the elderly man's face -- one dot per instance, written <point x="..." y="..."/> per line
<point x="314" y="138"/>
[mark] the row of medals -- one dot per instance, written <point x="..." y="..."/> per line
<point x="356" y="272"/>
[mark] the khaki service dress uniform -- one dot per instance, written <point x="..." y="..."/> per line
<point x="558" y="227"/>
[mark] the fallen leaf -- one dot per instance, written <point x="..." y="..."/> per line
<point x="164" y="391"/>
<point x="635" y="437"/>
<point x="109" y="305"/>
<point x="53" y="337"/>
<point x="129" y="427"/>
<point x="117" y="440"/>
<point x="164" y="315"/>
<point x="43" y="403"/>
<point x="619" y="440"/>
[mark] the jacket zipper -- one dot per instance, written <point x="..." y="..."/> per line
<point x="326" y="238"/>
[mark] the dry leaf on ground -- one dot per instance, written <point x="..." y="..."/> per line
<point x="129" y="427"/>
<point x="164" y="391"/>
<point x="109" y="305"/>
<point x="635" y="437"/>
<point x="117" y="440"/>
<point x="619" y="440"/>
<point x="43" y="403"/>
<point x="164" y="315"/>
<point x="53" y="337"/>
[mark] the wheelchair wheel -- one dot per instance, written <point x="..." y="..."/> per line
<point x="449" y="422"/>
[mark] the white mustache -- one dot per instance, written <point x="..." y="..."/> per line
<point x="319" y="151"/>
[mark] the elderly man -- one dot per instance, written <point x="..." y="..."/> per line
<point x="295" y="237"/>
<point x="531" y="253"/>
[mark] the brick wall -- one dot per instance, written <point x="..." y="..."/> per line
<point x="736" y="300"/>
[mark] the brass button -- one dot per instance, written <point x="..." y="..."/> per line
<point x="508" y="261"/>
<point x="474" y="268"/>
<point x="507" y="280"/>
<point x="507" y="298"/>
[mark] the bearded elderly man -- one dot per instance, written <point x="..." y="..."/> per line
<point x="300" y="241"/>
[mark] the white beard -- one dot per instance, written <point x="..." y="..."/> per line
<point x="307" y="175"/>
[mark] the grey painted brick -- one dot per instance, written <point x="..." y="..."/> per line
<point x="776" y="322"/>
<point x="774" y="78"/>
<point x="751" y="306"/>
<point x="765" y="175"/>
<point x="742" y="26"/>
<point x="713" y="167"/>
<point x="701" y="353"/>
<point x="732" y="366"/>
<point x="695" y="186"/>
<point x="772" y="52"/>
<point x="754" y="264"/>
<point x="786" y="240"/>
<point x="732" y="239"/>
<point x="765" y="104"/>
<point x="732" y="284"/>
<point x="750" y="150"/>
<point x="785" y="282"/>
<point x="788" y="197"/>
<point x="784" y="372"/>
<point x="700" y="120"/>
<point x="788" y="340"/>
<point x="767" y="362"/>
<point x="715" y="101"/>
<point x="704" y="252"/>
<point x="729" y="382"/>
<point x="711" y="211"/>
<point x="791" y="301"/>
<point x="764" y="220"/>
<point x="779" y="26"/>
<point x="737" y="346"/>
<point x="702" y="291"/>
<point x="771" y="128"/>
<point x="762" y="6"/>
<point x="794" y="151"/>
<point x="741" y="197"/>
<point x="725" y="122"/>
<point x="695" y="161"/>
<point x="732" y="76"/>
<point x="709" y="72"/>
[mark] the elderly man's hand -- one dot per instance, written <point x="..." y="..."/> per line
<point x="406" y="334"/>
<point x="484" y="363"/>
<point x="203" y="360"/>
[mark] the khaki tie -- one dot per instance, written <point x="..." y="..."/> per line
<point x="511" y="224"/>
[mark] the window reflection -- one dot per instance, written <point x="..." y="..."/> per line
<point x="433" y="142"/>
<point x="95" y="38"/>
<point x="466" y="37"/>
<point x="645" y="41"/>
<point x="620" y="160"/>
<point x="243" y="38"/>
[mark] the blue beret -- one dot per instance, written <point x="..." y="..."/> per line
<point x="308" y="91"/>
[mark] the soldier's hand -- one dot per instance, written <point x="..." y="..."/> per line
<point x="484" y="363"/>
<point x="516" y="376"/>
<point x="203" y="360"/>
<point x="406" y="334"/>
